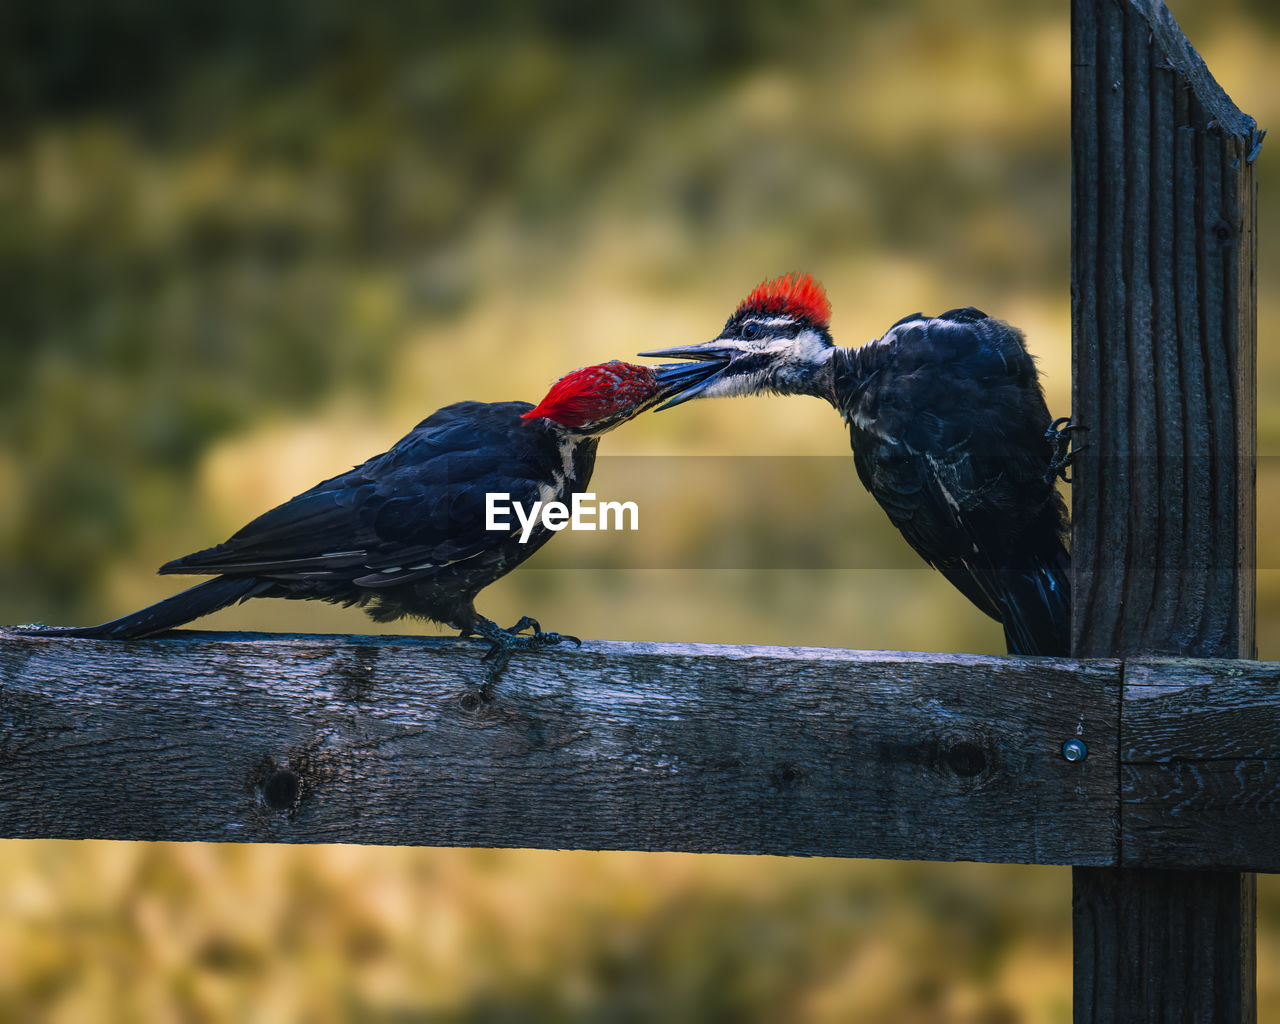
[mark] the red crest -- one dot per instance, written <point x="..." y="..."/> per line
<point x="595" y="392"/>
<point x="794" y="294"/>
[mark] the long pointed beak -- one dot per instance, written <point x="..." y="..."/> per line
<point x="693" y="389"/>
<point x="708" y="352"/>
<point x="686" y="381"/>
<point x="679" y="382"/>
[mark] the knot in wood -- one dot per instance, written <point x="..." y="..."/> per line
<point x="786" y="775"/>
<point x="972" y="757"/>
<point x="286" y="783"/>
<point x="967" y="758"/>
<point x="471" y="701"/>
<point x="281" y="789"/>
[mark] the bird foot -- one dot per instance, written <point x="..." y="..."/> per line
<point x="505" y="642"/>
<point x="1064" y="450"/>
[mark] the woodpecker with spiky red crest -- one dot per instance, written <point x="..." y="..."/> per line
<point x="950" y="434"/>
<point x="405" y="534"/>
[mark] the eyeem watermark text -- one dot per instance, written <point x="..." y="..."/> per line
<point x="582" y="513"/>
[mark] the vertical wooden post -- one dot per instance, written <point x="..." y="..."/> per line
<point x="1163" y="344"/>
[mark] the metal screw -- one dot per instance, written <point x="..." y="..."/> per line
<point x="1075" y="750"/>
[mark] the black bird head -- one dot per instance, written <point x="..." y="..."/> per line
<point x="595" y="399"/>
<point x="778" y="340"/>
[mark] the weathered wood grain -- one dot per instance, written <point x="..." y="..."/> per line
<point x="615" y="746"/>
<point x="1164" y="329"/>
<point x="1163" y="344"/>
<point x="1180" y="920"/>
<point x="1203" y="710"/>
<point x="1168" y="810"/>
<point x="1200" y="753"/>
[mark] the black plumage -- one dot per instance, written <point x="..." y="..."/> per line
<point x="402" y="534"/>
<point x="405" y="533"/>
<point x="950" y="434"/>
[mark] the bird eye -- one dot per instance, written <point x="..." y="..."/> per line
<point x="751" y="329"/>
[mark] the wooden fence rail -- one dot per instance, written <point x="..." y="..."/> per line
<point x="251" y="737"/>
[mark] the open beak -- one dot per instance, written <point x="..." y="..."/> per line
<point x="679" y="382"/>
<point x="686" y="381"/>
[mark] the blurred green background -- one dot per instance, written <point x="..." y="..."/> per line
<point x="244" y="246"/>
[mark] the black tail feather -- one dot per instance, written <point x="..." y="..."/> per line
<point x="1036" y="607"/>
<point x="164" y="615"/>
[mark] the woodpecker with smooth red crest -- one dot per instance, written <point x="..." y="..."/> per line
<point x="405" y="534"/>
<point x="950" y="434"/>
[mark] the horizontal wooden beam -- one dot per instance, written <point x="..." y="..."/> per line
<point x="300" y="739"/>
<point x="614" y="746"/>
<point x="1200" y="755"/>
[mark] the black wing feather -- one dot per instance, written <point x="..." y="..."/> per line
<point x="969" y="492"/>
<point x="414" y="508"/>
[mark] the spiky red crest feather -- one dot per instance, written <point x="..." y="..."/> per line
<point x="596" y="392"/>
<point x="794" y="294"/>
